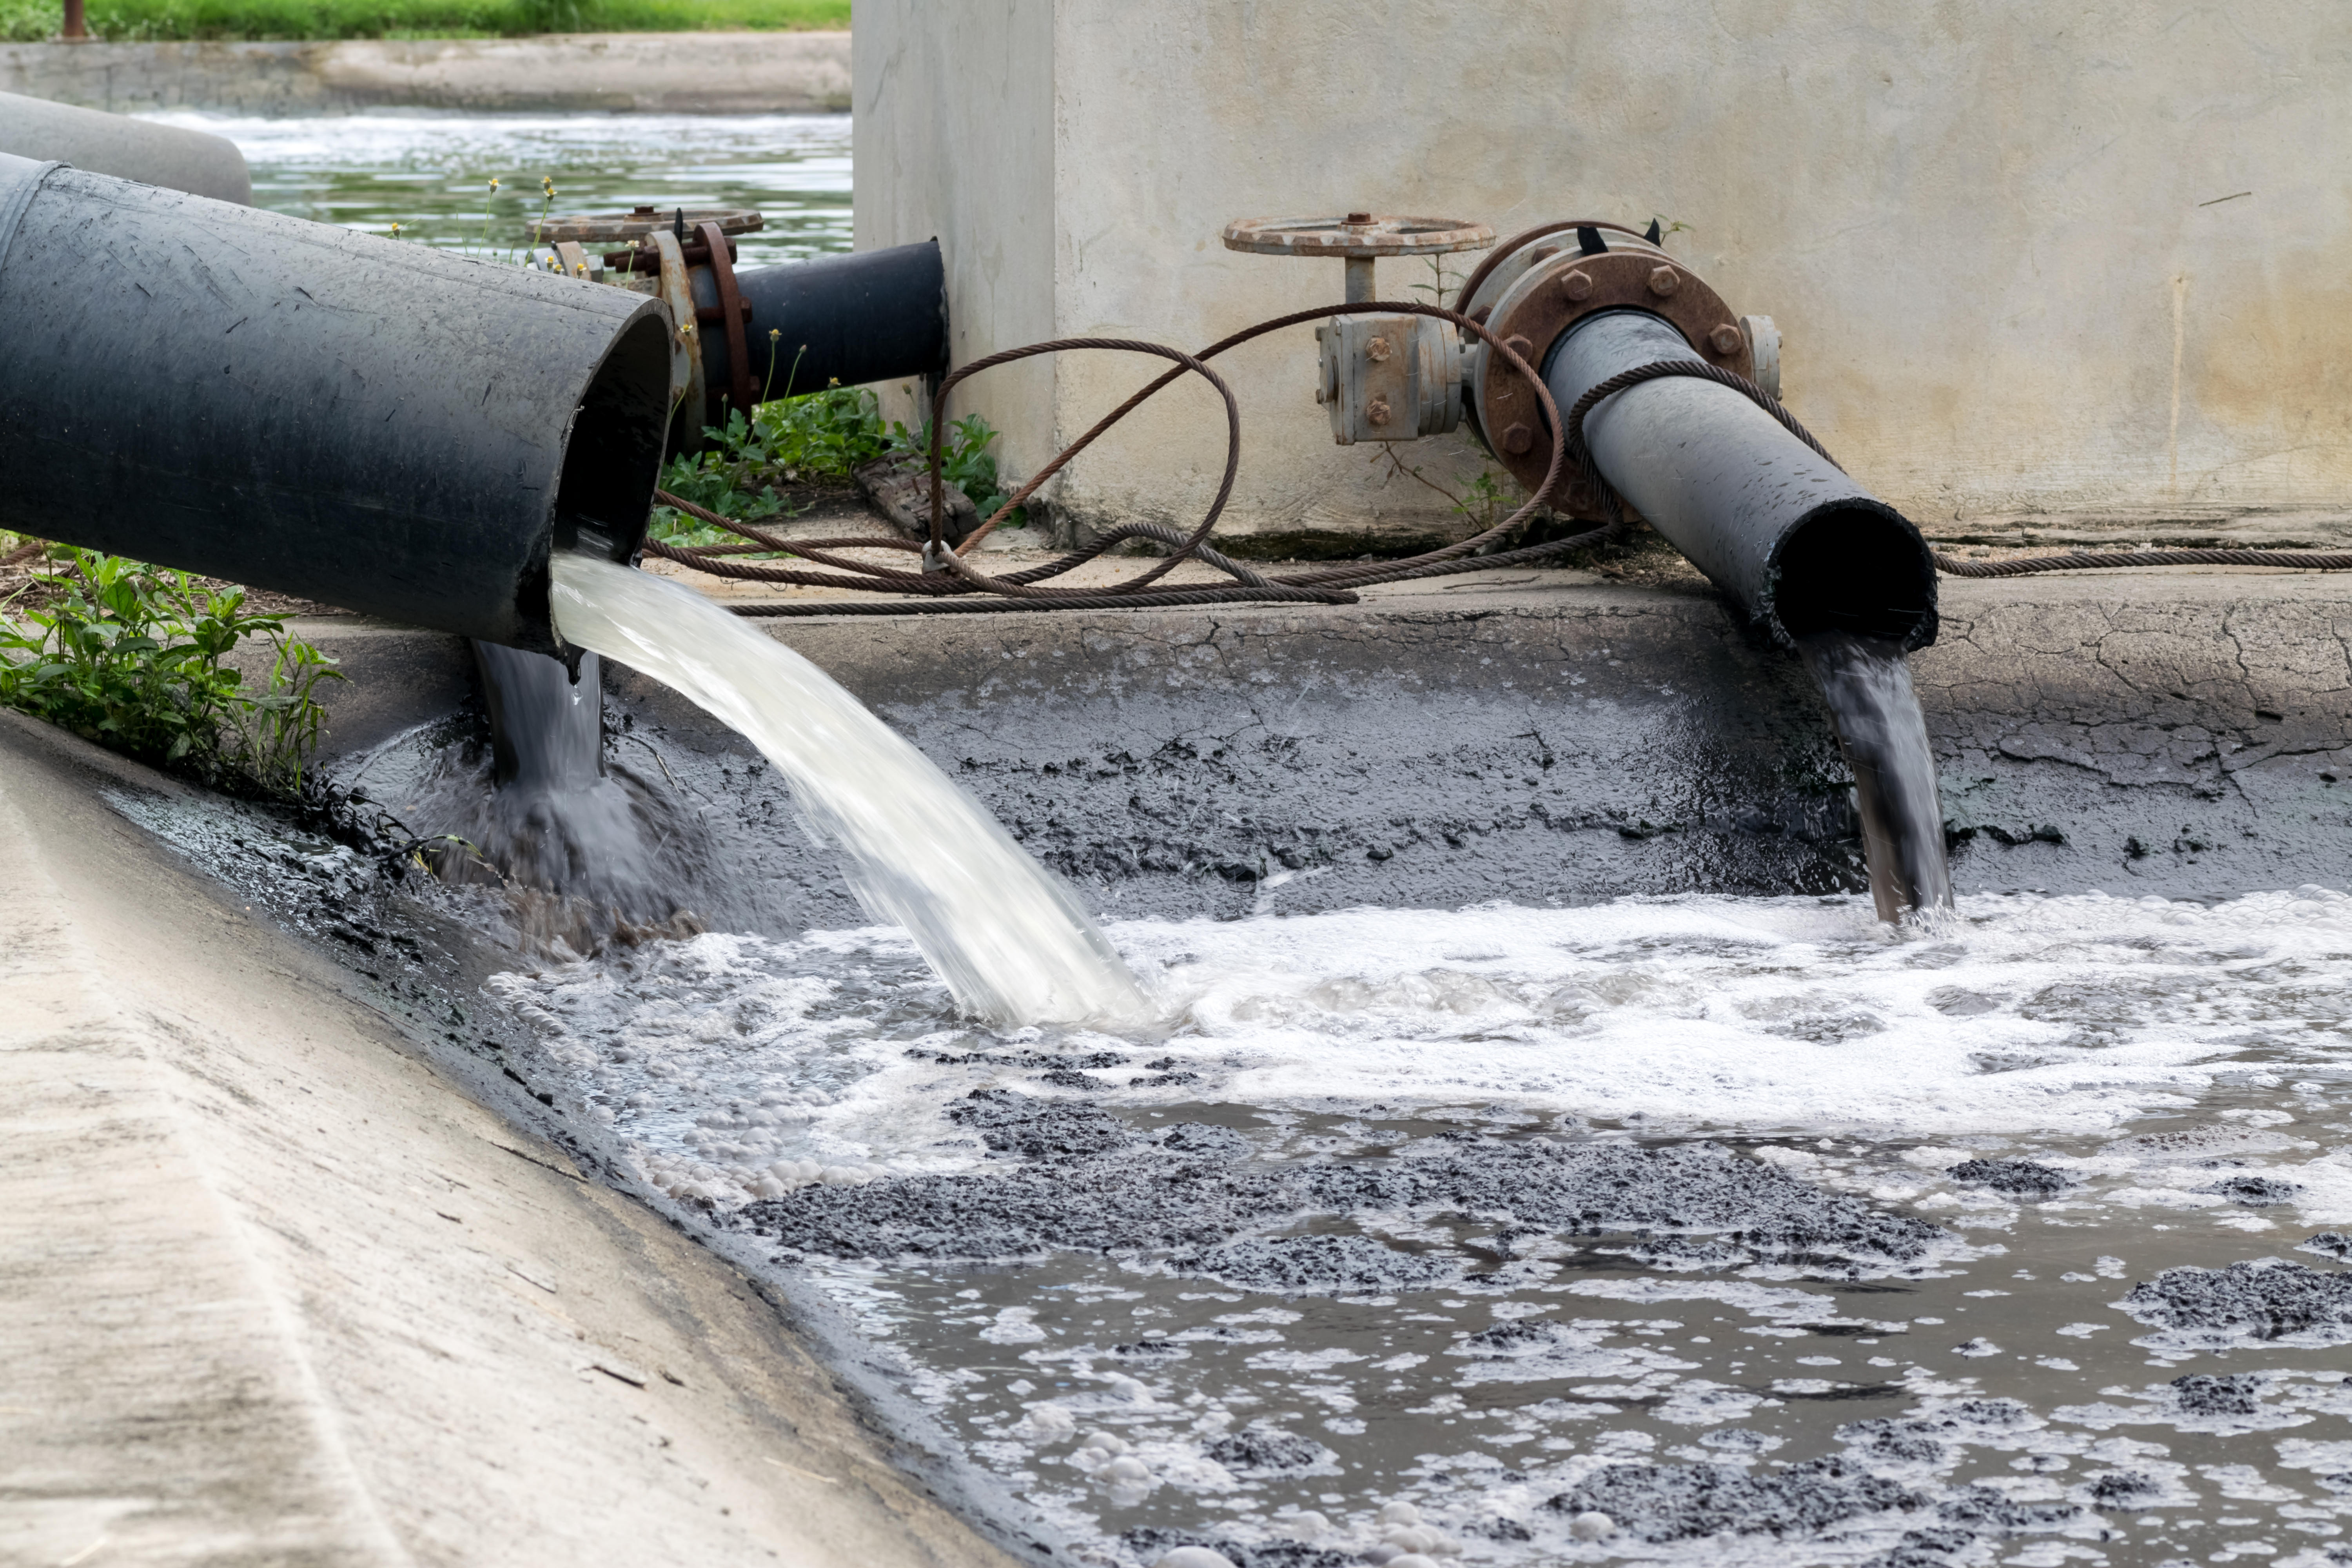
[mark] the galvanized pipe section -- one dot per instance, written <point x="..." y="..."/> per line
<point x="1797" y="542"/>
<point x="386" y="427"/>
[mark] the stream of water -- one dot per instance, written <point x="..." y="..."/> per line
<point x="1013" y="944"/>
<point x="1866" y="683"/>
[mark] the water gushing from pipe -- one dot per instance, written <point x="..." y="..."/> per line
<point x="1013" y="944"/>
<point x="1866" y="682"/>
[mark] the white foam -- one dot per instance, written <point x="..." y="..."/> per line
<point x="2074" y="1015"/>
<point x="1700" y="1013"/>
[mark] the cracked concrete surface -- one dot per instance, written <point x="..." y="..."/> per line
<point x="1543" y="737"/>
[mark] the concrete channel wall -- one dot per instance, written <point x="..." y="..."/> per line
<point x="695" y="73"/>
<point x="2042" y="268"/>
<point x="1531" y="737"/>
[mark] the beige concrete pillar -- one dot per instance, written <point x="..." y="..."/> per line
<point x="2076" y="263"/>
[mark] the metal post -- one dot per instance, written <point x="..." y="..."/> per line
<point x="1359" y="280"/>
<point x="76" y="31"/>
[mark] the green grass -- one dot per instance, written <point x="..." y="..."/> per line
<point x="141" y="20"/>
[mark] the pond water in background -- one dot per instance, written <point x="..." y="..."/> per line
<point x="430" y="172"/>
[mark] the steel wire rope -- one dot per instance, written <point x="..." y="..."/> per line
<point x="949" y="584"/>
<point x="940" y="589"/>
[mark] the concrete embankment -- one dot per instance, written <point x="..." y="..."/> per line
<point x="275" y="1287"/>
<point x="1544" y="736"/>
<point x="686" y="73"/>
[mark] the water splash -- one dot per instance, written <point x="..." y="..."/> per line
<point x="582" y="849"/>
<point x="1013" y="944"/>
<point x="1866" y="681"/>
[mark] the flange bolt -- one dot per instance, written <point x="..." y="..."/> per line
<point x="1518" y="439"/>
<point x="1664" y="280"/>
<point x="1726" y="339"/>
<point x="1576" y="285"/>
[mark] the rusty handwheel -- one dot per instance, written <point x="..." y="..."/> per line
<point x="1359" y="239"/>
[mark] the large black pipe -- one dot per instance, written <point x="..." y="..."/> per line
<point x="872" y="315"/>
<point x="1798" y="543"/>
<point x="383" y="427"/>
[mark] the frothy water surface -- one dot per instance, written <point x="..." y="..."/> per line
<point x="1013" y="944"/>
<point x="1772" y="1234"/>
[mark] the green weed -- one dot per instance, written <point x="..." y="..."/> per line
<point x="816" y="438"/>
<point x="129" y="656"/>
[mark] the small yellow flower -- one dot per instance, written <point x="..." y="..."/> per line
<point x="547" y="183"/>
<point x="395" y="231"/>
<point x="494" y="184"/>
<point x="775" y="332"/>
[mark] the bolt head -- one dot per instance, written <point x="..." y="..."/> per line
<point x="1542" y="253"/>
<point x="1378" y="351"/>
<point x="1376" y="411"/>
<point x="1358" y="220"/>
<point x="1576" y="285"/>
<point x="1726" y="339"/>
<point x="1520" y="345"/>
<point x="1664" y="280"/>
<point x="1518" y="439"/>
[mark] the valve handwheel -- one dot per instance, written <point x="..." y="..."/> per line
<point x="1359" y="239"/>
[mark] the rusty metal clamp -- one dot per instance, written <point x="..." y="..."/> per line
<point x="675" y="288"/>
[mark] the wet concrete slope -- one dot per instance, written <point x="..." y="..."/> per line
<point x="277" y="1288"/>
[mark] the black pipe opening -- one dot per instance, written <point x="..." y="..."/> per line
<point x="612" y="453"/>
<point x="1855" y="566"/>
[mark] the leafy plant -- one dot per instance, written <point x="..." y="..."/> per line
<point x="129" y="656"/>
<point x="965" y="460"/>
<point x="817" y="435"/>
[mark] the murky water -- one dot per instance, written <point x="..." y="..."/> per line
<point x="1764" y="1232"/>
<point x="1009" y="939"/>
<point x="430" y="172"/>
<point x="1771" y="1235"/>
<point x="1866" y="682"/>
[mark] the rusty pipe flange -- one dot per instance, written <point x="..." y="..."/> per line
<point x="1554" y="294"/>
<point x="1359" y="237"/>
<point x="1505" y="265"/>
<point x="729" y="316"/>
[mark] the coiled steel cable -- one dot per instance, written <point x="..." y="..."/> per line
<point x="949" y="584"/>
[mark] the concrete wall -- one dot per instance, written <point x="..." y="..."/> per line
<point x="953" y="137"/>
<point x="2006" y="241"/>
<point x="686" y="73"/>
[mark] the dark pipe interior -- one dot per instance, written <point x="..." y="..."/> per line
<point x="612" y="458"/>
<point x="1855" y="567"/>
